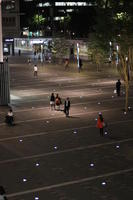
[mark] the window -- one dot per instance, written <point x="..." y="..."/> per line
<point x="8" y="5"/>
<point x="9" y="21"/>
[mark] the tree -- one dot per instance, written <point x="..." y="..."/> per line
<point x="97" y="51"/>
<point x="38" y="21"/>
<point x="124" y="22"/>
<point x="114" y="22"/>
<point x="125" y="66"/>
<point x="60" y="48"/>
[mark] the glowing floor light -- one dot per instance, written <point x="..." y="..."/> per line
<point x="36" y="198"/>
<point x="37" y="164"/>
<point x="104" y="183"/>
<point x="91" y="164"/>
<point x="75" y="131"/>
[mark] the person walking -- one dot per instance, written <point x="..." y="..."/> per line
<point x="52" y="101"/>
<point x="58" y="102"/>
<point x="118" y="87"/>
<point x="19" y="52"/>
<point x="29" y="61"/>
<point x="100" y="123"/>
<point x="10" y="118"/>
<point x="34" y="54"/>
<point x="35" y="71"/>
<point x="66" y="63"/>
<point x="80" y="64"/>
<point x="67" y="106"/>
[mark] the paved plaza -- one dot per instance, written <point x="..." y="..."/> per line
<point x="47" y="156"/>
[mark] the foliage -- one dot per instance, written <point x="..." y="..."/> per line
<point x="38" y="19"/>
<point x="66" y="19"/>
<point x="60" y="48"/>
<point x="115" y="23"/>
<point x="98" y="51"/>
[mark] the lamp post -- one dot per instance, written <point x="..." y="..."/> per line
<point x="1" y="42"/>
<point x="4" y="71"/>
<point x="78" y="55"/>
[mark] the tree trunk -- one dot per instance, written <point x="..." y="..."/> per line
<point x="130" y="58"/>
<point x="106" y="3"/>
<point x="127" y="94"/>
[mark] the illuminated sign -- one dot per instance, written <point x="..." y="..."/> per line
<point x="9" y="40"/>
<point x="62" y="3"/>
<point x="37" y="42"/>
<point x="71" y="4"/>
<point x="46" y="4"/>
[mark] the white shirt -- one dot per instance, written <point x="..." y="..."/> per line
<point x="35" y="68"/>
<point x="66" y="102"/>
<point x="10" y="114"/>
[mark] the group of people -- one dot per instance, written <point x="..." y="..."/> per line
<point x="55" y="103"/>
<point x="35" y="68"/>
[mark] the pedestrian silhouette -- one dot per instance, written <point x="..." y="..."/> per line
<point x="10" y="118"/>
<point x="29" y="61"/>
<point x="52" y="101"/>
<point x="80" y="64"/>
<point x="66" y="63"/>
<point x="67" y="107"/>
<point x="35" y="70"/>
<point x="19" y="52"/>
<point x="118" y="87"/>
<point x="100" y="123"/>
<point x="58" y="102"/>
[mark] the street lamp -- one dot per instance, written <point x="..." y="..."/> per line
<point x="117" y="54"/>
<point x="1" y="42"/>
<point x="78" y="55"/>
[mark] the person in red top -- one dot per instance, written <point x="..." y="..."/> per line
<point x="57" y="102"/>
<point x="100" y="123"/>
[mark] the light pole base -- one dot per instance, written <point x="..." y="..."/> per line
<point x="4" y="84"/>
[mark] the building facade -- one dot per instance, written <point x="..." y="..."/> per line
<point x="56" y="18"/>
<point x="10" y="18"/>
<point x="10" y="24"/>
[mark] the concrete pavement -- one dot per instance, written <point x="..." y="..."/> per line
<point x="48" y="156"/>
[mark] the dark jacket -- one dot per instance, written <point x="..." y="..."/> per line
<point x="118" y="85"/>
<point x="52" y="98"/>
<point x="67" y="104"/>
